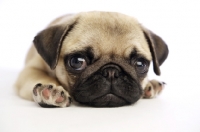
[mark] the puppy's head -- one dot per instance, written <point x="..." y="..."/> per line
<point x="102" y="58"/>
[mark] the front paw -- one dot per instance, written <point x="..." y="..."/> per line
<point x="153" y="88"/>
<point x="50" y="95"/>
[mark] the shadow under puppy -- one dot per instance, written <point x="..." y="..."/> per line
<point x="99" y="59"/>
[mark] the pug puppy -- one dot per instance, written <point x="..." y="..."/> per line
<point x="99" y="59"/>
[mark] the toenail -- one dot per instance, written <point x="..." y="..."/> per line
<point x="62" y="93"/>
<point x="149" y="89"/>
<point x="38" y="85"/>
<point x="50" y="87"/>
<point x="70" y="99"/>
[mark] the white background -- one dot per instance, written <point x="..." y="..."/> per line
<point x="176" y="21"/>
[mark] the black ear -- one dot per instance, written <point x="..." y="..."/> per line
<point x="49" y="42"/>
<point x="159" y="49"/>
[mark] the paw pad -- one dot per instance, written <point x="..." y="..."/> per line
<point x="46" y="93"/>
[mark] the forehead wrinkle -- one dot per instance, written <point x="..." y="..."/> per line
<point x="91" y="31"/>
<point x="128" y="50"/>
<point x="143" y="53"/>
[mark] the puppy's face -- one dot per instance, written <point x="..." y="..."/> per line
<point x="101" y="58"/>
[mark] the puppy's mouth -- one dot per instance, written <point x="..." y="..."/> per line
<point x="108" y="100"/>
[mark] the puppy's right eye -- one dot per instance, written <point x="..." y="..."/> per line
<point x="78" y="63"/>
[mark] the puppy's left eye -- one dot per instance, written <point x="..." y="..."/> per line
<point x="78" y="63"/>
<point x="141" y="65"/>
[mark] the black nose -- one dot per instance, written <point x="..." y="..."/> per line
<point x="111" y="71"/>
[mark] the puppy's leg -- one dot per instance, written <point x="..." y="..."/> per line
<point x="153" y="88"/>
<point x="35" y="84"/>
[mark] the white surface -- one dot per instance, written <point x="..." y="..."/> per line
<point x="172" y="111"/>
<point x="177" y="109"/>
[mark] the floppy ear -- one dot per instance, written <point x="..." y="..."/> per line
<point x="49" y="42"/>
<point x="158" y="48"/>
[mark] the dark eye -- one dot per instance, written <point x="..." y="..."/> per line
<point x="141" y="65"/>
<point x="78" y="63"/>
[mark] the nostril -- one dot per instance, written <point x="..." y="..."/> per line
<point x="116" y="74"/>
<point x="110" y="73"/>
<point x="105" y="73"/>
